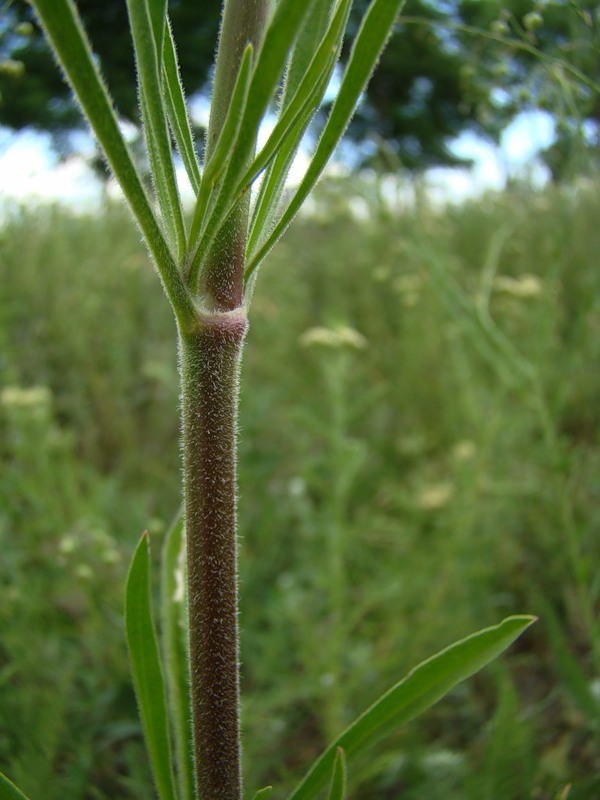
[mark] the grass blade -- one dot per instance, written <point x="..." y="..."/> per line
<point x="174" y="633"/>
<point x="158" y="141"/>
<point x="177" y="110"/>
<point x="338" y="779"/>
<point x="8" y="791"/>
<point x="63" y="28"/>
<point x="146" y="669"/>
<point x="370" y="41"/>
<point x="420" y="689"/>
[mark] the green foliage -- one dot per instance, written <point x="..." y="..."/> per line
<point x="147" y="671"/>
<point x="42" y="100"/>
<point x="538" y="56"/>
<point x="338" y="779"/>
<point x="8" y="791"/>
<point x="422" y="687"/>
<point x="454" y="504"/>
<point x="174" y="630"/>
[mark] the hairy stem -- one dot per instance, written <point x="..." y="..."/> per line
<point x="210" y="353"/>
<point x="209" y="364"/>
<point x="244" y="22"/>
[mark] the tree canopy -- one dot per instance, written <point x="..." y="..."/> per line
<point x="451" y="66"/>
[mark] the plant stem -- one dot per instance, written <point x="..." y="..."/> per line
<point x="209" y="365"/>
<point x="243" y="21"/>
<point x="210" y="354"/>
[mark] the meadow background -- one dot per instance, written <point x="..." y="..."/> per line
<point x="419" y="457"/>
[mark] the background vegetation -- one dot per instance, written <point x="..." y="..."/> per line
<point x="460" y="416"/>
<point x="449" y="68"/>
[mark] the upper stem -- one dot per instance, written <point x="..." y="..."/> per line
<point x="221" y="282"/>
<point x="243" y="22"/>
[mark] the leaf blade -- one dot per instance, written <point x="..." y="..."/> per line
<point x="145" y="30"/>
<point x="421" y="688"/>
<point x="177" y="109"/>
<point x="8" y="790"/>
<point x="157" y="12"/>
<point x="174" y="630"/>
<point x="337" y="790"/>
<point x="311" y="35"/>
<point x="146" y="670"/>
<point x="368" y="45"/>
<point x="221" y="153"/>
<point x="64" y="30"/>
<point x="298" y="110"/>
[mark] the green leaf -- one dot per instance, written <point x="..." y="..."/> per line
<point x="228" y="136"/>
<point x="158" y="142"/>
<point x="224" y="146"/>
<point x="269" y="71"/>
<point x="8" y="791"/>
<point x="177" y="110"/>
<point x="262" y="794"/>
<point x="174" y="639"/>
<point x="273" y="185"/>
<point x="286" y="137"/>
<point x="370" y="40"/>
<point x="64" y="30"/>
<point x="310" y="37"/>
<point x="157" y="11"/>
<point x="337" y="790"/>
<point x="420" y="689"/>
<point x="146" y="669"/>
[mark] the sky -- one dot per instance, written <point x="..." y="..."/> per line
<point x="30" y="172"/>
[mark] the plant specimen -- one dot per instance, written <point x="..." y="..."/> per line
<point x="269" y="52"/>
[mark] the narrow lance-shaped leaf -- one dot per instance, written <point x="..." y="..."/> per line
<point x="154" y="118"/>
<point x="309" y="92"/>
<point x="174" y="634"/>
<point x="273" y="185"/>
<point x="147" y="672"/>
<point x="311" y="35"/>
<point x="299" y="111"/>
<point x="370" y="41"/>
<point x="225" y="143"/>
<point x="422" y="687"/>
<point x="63" y="28"/>
<point x="337" y="790"/>
<point x="157" y="10"/>
<point x="8" y="791"/>
<point x="177" y="110"/>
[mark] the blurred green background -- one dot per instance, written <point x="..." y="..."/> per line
<point x="419" y="457"/>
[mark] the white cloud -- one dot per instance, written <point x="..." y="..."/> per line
<point x="28" y="170"/>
